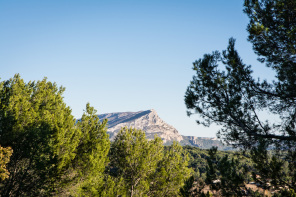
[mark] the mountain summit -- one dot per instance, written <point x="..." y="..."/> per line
<point x="152" y="124"/>
<point x="147" y="121"/>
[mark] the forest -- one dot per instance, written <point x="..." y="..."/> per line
<point x="45" y="151"/>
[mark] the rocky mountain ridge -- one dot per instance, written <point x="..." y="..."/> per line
<point x="147" y="121"/>
<point x="152" y="124"/>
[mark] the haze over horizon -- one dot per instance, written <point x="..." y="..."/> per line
<point x="121" y="55"/>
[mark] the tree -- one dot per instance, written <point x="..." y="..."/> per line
<point x="144" y="167"/>
<point x="187" y="189"/>
<point x="272" y="31"/>
<point x="233" y="99"/>
<point x="52" y="152"/>
<point x="91" y="155"/>
<point x="135" y="159"/>
<point x="227" y="176"/>
<point x="5" y="154"/>
<point x="172" y="172"/>
<point x="38" y="126"/>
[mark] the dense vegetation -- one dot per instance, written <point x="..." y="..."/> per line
<point x="53" y="154"/>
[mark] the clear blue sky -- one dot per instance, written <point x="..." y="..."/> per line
<point x="120" y="55"/>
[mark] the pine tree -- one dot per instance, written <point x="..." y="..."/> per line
<point x="52" y="152"/>
<point x="145" y="168"/>
<point x="227" y="176"/>
<point x="135" y="159"/>
<point x="233" y="99"/>
<point x="172" y="172"/>
<point x="39" y="127"/>
<point x="87" y="172"/>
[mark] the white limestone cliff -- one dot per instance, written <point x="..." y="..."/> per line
<point x="147" y="121"/>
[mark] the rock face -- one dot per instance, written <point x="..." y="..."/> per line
<point x="147" y="121"/>
<point x="152" y="124"/>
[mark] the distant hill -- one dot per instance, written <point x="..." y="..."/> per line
<point x="152" y="124"/>
<point x="204" y="142"/>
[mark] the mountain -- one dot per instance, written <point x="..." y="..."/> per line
<point x="152" y="124"/>
<point x="204" y="142"/>
<point x="147" y="121"/>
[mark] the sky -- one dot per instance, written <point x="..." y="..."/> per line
<point x="121" y="55"/>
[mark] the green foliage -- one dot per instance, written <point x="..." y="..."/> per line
<point x="197" y="160"/>
<point x="193" y="187"/>
<point x="188" y="186"/>
<point x="272" y="31"/>
<point x="233" y="177"/>
<point x="233" y="99"/>
<point x="5" y="154"/>
<point x="52" y="154"/>
<point x="112" y="187"/>
<point x="212" y="167"/>
<point x="38" y="126"/>
<point x="221" y="96"/>
<point x="91" y="153"/>
<point x="56" y="155"/>
<point x="268" y="167"/>
<point x="225" y="175"/>
<point x="172" y="172"/>
<point x="94" y="145"/>
<point x="135" y="159"/>
<point x="145" y="168"/>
